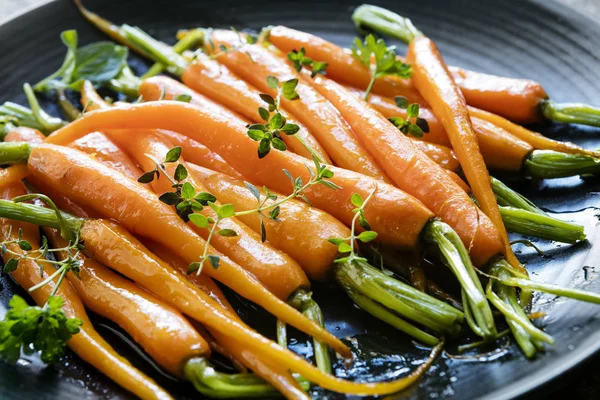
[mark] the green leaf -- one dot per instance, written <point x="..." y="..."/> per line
<point x="401" y="101"/>
<point x="289" y="89"/>
<point x="267" y="99"/>
<point x="290" y="129"/>
<point x="256" y="135"/>
<point x="170" y="198"/>
<point x="65" y="72"/>
<point x="173" y="154"/>
<point x="363" y="222"/>
<point x="180" y="173"/>
<point x="397" y="121"/>
<point x="356" y="200"/>
<point x="187" y="191"/>
<point x="193" y="267"/>
<point x="264" y="147"/>
<point x="227" y="232"/>
<point x="263" y="113"/>
<point x="204" y="198"/>
<point x="278" y="144"/>
<point x="272" y="82"/>
<point x="344" y="247"/>
<point x="413" y="110"/>
<point x="415" y="130"/>
<point x="367" y="236"/>
<point x="99" y="62"/>
<point x="277" y="121"/>
<point x="24" y="245"/>
<point x="226" y="211"/>
<point x="274" y="213"/>
<point x="253" y="189"/>
<point x="318" y="68"/>
<point x="337" y="241"/>
<point x="147" y="177"/>
<point x="263" y="230"/>
<point x="185" y="98"/>
<point x="199" y="220"/>
<point x="422" y="123"/>
<point x="214" y="261"/>
<point x="11" y="265"/>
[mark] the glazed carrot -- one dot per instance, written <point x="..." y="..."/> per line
<point x="165" y="88"/>
<point x="254" y="63"/>
<point x="273" y="268"/>
<point x="219" y="83"/>
<point x="414" y="172"/>
<point x="90" y="99"/>
<point x="13" y="174"/>
<point x="24" y="134"/>
<point x="501" y="150"/>
<point x="103" y="149"/>
<point x="161" y="330"/>
<point x="110" y="193"/>
<point x="280" y="379"/>
<point x="299" y="223"/>
<point x="87" y="344"/>
<point x="341" y="65"/>
<point x="398" y="218"/>
<point x="441" y="155"/>
<point x="535" y="139"/>
<point x="434" y="82"/>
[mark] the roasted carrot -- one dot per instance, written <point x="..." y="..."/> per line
<point x="441" y="155"/>
<point x="87" y="344"/>
<point x="299" y="223"/>
<point x="13" y="174"/>
<point x="273" y="268"/>
<point x="219" y="83"/>
<point x="161" y="330"/>
<point x="501" y="150"/>
<point x="435" y="84"/>
<point x="90" y="99"/>
<point x="521" y="100"/>
<point x="404" y="216"/>
<point x="254" y="63"/>
<point x="414" y="172"/>
<point x="280" y="379"/>
<point x="112" y="194"/>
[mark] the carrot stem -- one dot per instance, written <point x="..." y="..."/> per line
<point x="187" y="42"/>
<point x="381" y="20"/>
<point x="541" y="226"/>
<point x="47" y="122"/>
<point x="14" y="152"/>
<point x="548" y="164"/>
<point x="571" y="113"/>
<point x="39" y="216"/>
<point x="126" y="82"/>
<point x="22" y="114"/>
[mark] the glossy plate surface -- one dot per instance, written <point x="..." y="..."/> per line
<point x="545" y="42"/>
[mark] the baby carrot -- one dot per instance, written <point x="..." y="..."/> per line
<point x="113" y="195"/>
<point x="219" y="83"/>
<point x="273" y="268"/>
<point x="87" y="344"/>
<point x="414" y="172"/>
<point x="161" y="330"/>
<point x="434" y="82"/>
<point x="397" y="217"/>
<point x="13" y="174"/>
<point x="254" y="63"/>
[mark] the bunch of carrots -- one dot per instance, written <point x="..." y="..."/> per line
<point x="276" y="160"/>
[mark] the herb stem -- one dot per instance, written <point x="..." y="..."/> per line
<point x="211" y="233"/>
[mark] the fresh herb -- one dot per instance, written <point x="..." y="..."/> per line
<point x="347" y="245"/>
<point x="385" y="60"/>
<point x="269" y="134"/>
<point x="31" y="329"/>
<point x="97" y="62"/>
<point x="416" y="129"/>
<point x="186" y="98"/>
<point x="190" y="203"/>
<point x="299" y="60"/>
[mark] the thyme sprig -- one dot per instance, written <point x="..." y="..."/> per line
<point x="299" y="61"/>
<point x="269" y="134"/>
<point x="406" y="126"/>
<point x="385" y="60"/>
<point x="189" y="203"/>
<point x="347" y="245"/>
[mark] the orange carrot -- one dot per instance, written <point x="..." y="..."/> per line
<point x="414" y="172"/>
<point x="397" y="217"/>
<point x="254" y="63"/>
<point x="90" y="99"/>
<point x="161" y="330"/>
<point x="273" y="268"/>
<point x="435" y="84"/>
<point x="13" y="174"/>
<point x="115" y="196"/>
<point x="87" y="344"/>
<point x="299" y="223"/>
<point x="219" y="83"/>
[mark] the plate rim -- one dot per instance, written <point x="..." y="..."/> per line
<point x="541" y="377"/>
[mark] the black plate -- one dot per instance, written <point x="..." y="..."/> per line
<point x="546" y="42"/>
